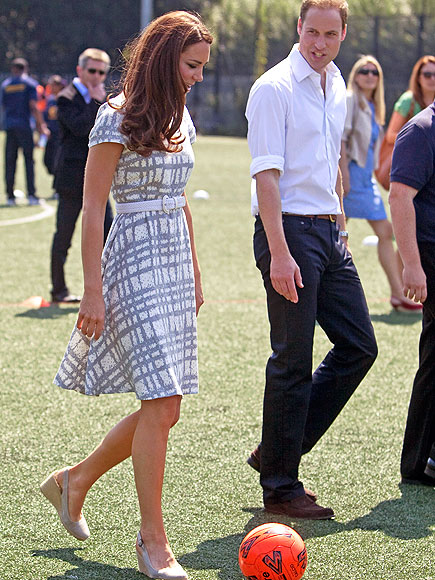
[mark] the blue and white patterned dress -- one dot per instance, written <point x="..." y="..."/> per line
<point x="149" y="343"/>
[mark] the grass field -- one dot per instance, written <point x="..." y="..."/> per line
<point x="212" y="498"/>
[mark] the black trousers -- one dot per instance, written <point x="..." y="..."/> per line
<point x="300" y="406"/>
<point x="19" y="139"/>
<point x="68" y="211"/>
<point x="420" y="425"/>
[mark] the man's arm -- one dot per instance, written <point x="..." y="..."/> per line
<point x="284" y="272"/>
<point x="404" y="223"/>
<point x="341" y="218"/>
<point x="41" y="126"/>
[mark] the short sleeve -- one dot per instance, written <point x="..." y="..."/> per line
<point x="106" y="127"/>
<point x="403" y="104"/>
<point x="266" y="113"/>
<point x="408" y="167"/>
<point x="191" y="131"/>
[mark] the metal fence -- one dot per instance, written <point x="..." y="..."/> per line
<point x="218" y="103"/>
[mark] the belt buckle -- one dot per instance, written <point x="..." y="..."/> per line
<point x="331" y="217"/>
<point x="165" y="207"/>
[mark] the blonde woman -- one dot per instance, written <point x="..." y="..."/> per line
<point x="361" y="142"/>
<point x="420" y="94"/>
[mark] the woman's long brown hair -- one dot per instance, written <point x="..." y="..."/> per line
<point x="154" y="91"/>
<point x="414" y="81"/>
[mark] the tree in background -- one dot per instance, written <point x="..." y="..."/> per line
<point x="250" y="37"/>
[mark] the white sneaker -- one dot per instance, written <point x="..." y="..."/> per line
<point x="11" y="201"/>
<point x="33" y="200"/>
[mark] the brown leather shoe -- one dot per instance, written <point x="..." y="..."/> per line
<point x="301" y="507"/>
<point x="254" y="461"/>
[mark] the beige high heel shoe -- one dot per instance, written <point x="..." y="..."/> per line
<point x="145" y="566"/>
<point x="59" y="498"/>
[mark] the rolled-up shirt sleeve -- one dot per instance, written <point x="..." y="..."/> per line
<point x="266" y="112"/>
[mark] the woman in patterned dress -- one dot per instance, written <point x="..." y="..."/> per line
<point x="136" y="328"/>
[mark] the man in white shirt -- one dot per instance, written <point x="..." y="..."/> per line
<point x="296" y="113"/>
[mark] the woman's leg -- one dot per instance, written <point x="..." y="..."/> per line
<point x="389" y="257"/>
<point x="115" y="447"/>
<point x="156" y="417"/>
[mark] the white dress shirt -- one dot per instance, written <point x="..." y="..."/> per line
<point x="295" y="127"/>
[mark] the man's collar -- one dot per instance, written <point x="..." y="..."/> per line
<point x="82" y="89"/>
<point x="301" y="68"/>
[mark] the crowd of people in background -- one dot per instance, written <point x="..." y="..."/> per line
<point x="28" y="106"/>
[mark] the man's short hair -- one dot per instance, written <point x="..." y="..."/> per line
<point x="341" y="5"/>
<point x="20" y="63"/>
<point x="94" y="54"/>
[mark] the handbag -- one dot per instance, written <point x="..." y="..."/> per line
<point x="382" y="173"/>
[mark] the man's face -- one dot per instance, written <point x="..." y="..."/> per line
<point x="93" y="73"/>
<point x="321" y="34"/>
<point x="17" y="71"/>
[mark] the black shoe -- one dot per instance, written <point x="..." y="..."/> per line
<point x="65" y="298"/>
<point x="300" y="507"/>
<point x="254" y="461"/>
<point x="423" y="480"/>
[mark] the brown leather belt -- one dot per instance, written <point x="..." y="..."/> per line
<point x="323" y="216"/>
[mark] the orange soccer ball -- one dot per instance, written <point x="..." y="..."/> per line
<point x="272" y="552"/>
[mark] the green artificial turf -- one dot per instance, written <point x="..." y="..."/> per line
<point x="382" y="531"/>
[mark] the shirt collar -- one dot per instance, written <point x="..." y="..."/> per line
<point x="82" y="89"/>
<point x="301" y="69"/>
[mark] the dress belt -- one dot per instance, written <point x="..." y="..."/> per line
<point x="165" y="204"/>
<point x="323" y="216"/>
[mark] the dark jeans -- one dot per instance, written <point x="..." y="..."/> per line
<point x="67" y="213"/>
<point x="420" y="425"/>
<point x="16" y="139"/>
<point x="300" y="406"/>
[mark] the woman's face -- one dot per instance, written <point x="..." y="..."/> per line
<point x="192" y="62"/>
<point x="427" y="77"/>
<point x="367" y="77"/>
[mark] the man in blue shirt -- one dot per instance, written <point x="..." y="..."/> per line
<point x="412" y="201"/>
<point x="18" y="99"/>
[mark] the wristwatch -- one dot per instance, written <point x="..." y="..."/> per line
<point x="343" y="234"/>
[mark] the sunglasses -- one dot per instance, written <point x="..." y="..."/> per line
<point x="92" y="71"/>
<point x="368" y="71"/>
<point x="427" y="74"/>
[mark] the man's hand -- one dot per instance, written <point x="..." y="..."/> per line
<point x="285" y="275"/>
<point x="98" y="92"/>
<point x="414" y="282"/>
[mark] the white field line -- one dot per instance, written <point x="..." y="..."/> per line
<point x="46" y="212"/>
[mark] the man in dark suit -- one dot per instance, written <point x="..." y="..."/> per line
<point x="78" y="104"/>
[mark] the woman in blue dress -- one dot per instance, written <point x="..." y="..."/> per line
<point x="362" y="138"/>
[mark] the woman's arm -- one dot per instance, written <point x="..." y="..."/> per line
<point x="199" y="298"/>
<point x="396" y="123"/>
<point x="100" y="167"/>
<point x="344" y="168"/>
